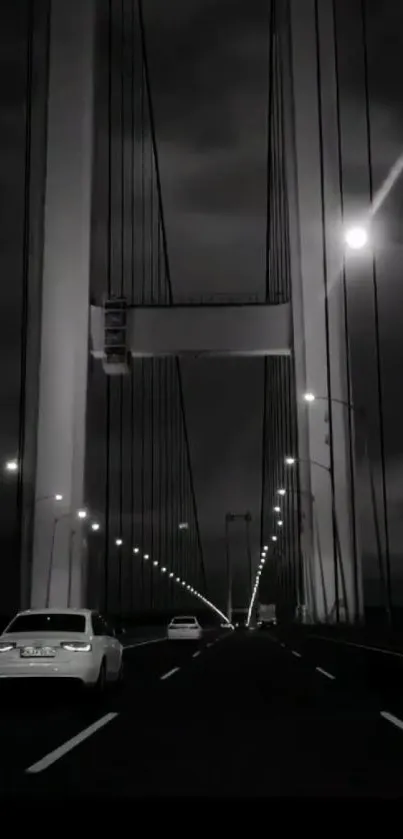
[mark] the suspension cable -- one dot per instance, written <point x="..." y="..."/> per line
<point x="167" y="269"/>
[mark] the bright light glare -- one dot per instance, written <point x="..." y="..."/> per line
<point x="281" y="492"/>
<point x="155" y="563"/>
<point x="178" y="579"/>
<point x="136" y="550"/>
<point x="279" y="523"/>
<point x="172" y="574"/>
<point x="95" y="525"/>
<point x="58" y="497"/>
<point x="277" y="509"/>
<point x="82" y="514"/>
<point x="290" y="461"/>
<point x="274" y="538"/>
<point x="309" y="397"/>
<point x="164" y="570"/>
<point x="356" y="238"/>
<point x="118" y="542"/>
<point x="146" y="556"/>
<point x="12" y="466"/>
<point x="266" y="548"/>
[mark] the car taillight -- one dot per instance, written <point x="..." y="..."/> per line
<point x="76" y="646"/>
<point x="6" y="646"/>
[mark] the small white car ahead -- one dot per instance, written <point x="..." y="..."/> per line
<point x="184" y="629"/>
<point x="75" y="644"/>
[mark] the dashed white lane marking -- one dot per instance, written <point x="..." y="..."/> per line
<point x="52" y="757"/>
<point x="325" y="673"/>
<point x="359" y="646"/>
<point x="391" y="718"/>
<point x="196" y="654"/>
<point x="170" y="673"/>
<point x="144" y="643"/>
<point x="298" y="655"/>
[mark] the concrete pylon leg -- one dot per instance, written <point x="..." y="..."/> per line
<point x="65" y="308"/>
<point x="316" y="248"/>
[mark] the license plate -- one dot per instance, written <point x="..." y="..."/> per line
<point x="37" y="652"/>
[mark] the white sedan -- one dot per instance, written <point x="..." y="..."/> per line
<point x="73" y="644"/>
<point x="184" y="629"/>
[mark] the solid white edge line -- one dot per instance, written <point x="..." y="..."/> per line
<point x="143" y="643"/>
<point x="196" y="654"/>
<point x="359" y="646"/>
<point x="325" y="673"/>
<point x="52" y="757"/>
<point x="298" y="655"/>
<point x="391" y="718"/>
<point x="170" y="673"/>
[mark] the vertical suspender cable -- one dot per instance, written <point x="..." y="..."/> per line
<point x="132" y="379"/>
<point x="326" y="304"/>
<point x="346" y="322"/>
<point x="20" y="523"/>
<point x="167" y="269"/>
<point x="268" y="259"/>
<point x="109" y="287"/>
<point x="122" y="280"/>
<point x="389" y="604"/>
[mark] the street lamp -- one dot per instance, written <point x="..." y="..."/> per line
<point x="281" y="492"/>
<point x="95" y="525"/>
<point x="279" y="523"/>
<point x="118" y="542"/>
<point x="274" y="538"/>
<point x="146" y="556"/>
<point x="136" y="550"/>
<point x="11" y="466"/>
<point x="290" y="461"/>
<point x="309" y="396"/>
<point x="183" y="525"/>
<point x="277" y="509"/>
<point x="356" y="237"/>
<point x="82" y="514"/>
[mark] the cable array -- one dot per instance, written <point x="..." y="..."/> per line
<point x="147" y="554"/>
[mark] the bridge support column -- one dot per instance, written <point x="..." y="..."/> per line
<point x="59" y="546"/>
<point x="319" y="341"/>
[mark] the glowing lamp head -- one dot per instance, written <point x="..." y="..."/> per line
<point x="356" y="238"/>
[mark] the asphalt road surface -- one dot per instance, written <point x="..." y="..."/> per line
<point x="243" y="714"/>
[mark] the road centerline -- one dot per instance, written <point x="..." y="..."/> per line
<point x="169" y="673"/>
<point x="325" y="673"/>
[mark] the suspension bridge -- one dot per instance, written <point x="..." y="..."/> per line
<point x="99" y="498"/>
<point x="102" y="419"/>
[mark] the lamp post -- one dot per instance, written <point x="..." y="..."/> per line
<point x="82" y="514"/>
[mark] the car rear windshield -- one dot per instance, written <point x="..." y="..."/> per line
<point x="48" y="623"/>
<point x="184" y="620"/>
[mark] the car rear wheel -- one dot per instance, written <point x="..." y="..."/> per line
<point x="101" y="681"/>
<point x="121" y="675"/>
